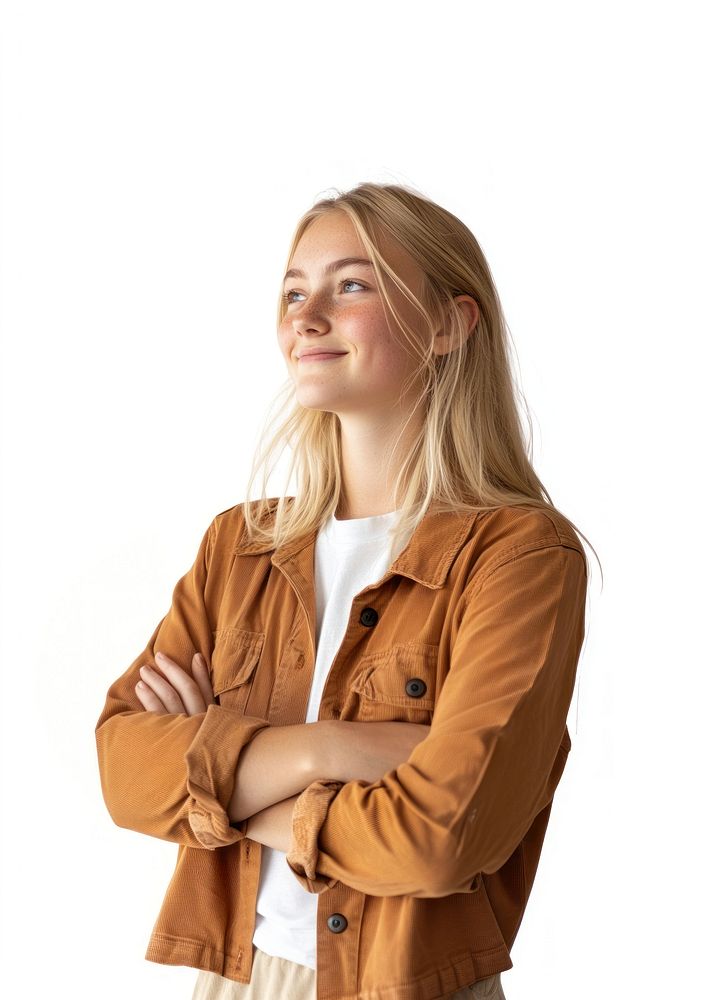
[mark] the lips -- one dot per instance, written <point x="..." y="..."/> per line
<point x="318" y="350"/>
<point x="321" y="355"/>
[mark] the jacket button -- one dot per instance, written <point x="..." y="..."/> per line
<point x="337" y="923"/>
<point x="415" y="687"/>
<point x="369" y="617"/>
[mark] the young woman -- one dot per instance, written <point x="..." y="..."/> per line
<point x="352" y="718"/>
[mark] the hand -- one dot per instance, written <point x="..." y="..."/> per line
<point x="175" y="692"/>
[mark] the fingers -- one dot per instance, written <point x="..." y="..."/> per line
<point x="203" y="678"/>
<point x="158" y="685"/>
<point x="171" y="689"/>
<point x="149" y="699"/>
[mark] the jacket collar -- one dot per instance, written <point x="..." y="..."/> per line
<point x="426" y="558"/>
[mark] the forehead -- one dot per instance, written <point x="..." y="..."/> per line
<point x="333" y="235"/>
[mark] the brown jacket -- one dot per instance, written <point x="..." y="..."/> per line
<point x="423" y="876"/>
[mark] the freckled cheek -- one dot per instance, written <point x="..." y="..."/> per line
<point x="364" y="326"/>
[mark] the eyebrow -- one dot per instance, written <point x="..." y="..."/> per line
<point x="335" y="265"/>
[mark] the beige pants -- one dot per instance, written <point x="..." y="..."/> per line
<point x="278" y="979"/>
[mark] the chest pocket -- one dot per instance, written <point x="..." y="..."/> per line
<point x="233" y="661"/>
<point x="397" y="684"/>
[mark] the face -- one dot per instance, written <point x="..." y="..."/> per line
<point x="340" y="309"/>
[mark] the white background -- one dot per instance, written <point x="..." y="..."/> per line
<point x="155" y="159"/>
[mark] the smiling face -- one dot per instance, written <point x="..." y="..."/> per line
<point x="333" y="307"/>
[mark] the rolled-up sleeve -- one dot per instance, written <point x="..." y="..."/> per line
<point x="470" y="791"/>
<point x="172" y="776"/>
<point x="308" y="815"/>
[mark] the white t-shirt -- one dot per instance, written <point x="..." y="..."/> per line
<point x="348" y="556"/>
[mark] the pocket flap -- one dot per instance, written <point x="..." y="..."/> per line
<point x="383" y="676"/>
<point x="235" y="656"/>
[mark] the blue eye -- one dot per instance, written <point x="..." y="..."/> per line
<point x="346" y="281"/>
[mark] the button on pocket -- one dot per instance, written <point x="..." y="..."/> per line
<point x="416" y="687"/>
<point x="235" y="656"/>
<point x="397" y="684"/>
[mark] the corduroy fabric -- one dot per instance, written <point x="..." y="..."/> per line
<point x="276" y="978"/>
<point x="476" y="629"/>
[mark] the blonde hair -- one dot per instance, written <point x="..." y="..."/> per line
<point x="470" y="454"/>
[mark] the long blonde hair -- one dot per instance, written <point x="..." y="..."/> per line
<point x="471" y="453"/>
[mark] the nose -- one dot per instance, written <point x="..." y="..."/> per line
<point x="310" y="318"/>
<point x="309" y="328"/>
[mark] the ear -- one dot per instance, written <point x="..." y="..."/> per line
<point x="446" y="340"/>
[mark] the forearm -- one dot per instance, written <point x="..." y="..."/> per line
<point x="341" y="751"/>
<point x="276" y="764"/>
<point x="273" y="826"/>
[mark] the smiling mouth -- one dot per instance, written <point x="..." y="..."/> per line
<point x="324" y="356"/>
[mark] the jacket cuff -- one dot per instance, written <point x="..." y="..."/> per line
<point x="308" y="815"/>
<point x="212" y="759"/>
